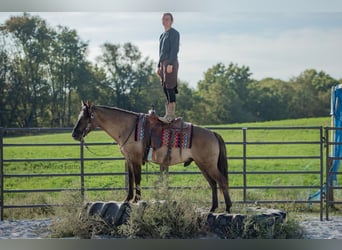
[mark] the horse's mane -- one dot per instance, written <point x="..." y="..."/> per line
<point x="117" y="109"/>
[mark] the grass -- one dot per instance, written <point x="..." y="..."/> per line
<point x="177" y="217"/>
<point x="199" y="190"/>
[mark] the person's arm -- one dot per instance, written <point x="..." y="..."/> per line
<point x="160" y="52"/>
<point x="174" y="42"/>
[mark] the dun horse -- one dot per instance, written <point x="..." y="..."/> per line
<point x="207" y="149"/>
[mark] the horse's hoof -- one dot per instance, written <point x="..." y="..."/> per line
<point x="136" y="200"/>
<point x="212" y="210"/>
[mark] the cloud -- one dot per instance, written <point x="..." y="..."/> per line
<point x="279" y="56"/>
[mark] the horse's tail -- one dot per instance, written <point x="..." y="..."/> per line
<point x="222" y="163"/>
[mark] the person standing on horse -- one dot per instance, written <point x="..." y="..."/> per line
<point x="168" y="65"/>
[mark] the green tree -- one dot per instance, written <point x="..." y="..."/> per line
<point x="121" y="66"/>
<point x="268" y="99"/>
<point x="5" y="70"/>
<point x="186" y="102"/>
<point x="323" y="83"/>
<point x="311" y="95"/>
<point x="45" y="66"/>
<point x="44" y="74"/>
<point x="32" y="38"/>
<point x="224" y="91"/>
<point x="146" y="90"/>
<point x="130" y="78"/>
<point x="68" y="66"/>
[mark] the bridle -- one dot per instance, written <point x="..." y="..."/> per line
<point x="90" y="112"/>
<point x="89" y="124"/>
<point x="87" y="130"/>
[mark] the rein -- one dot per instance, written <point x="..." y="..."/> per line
<point x="91" y="151"/>
<point x="88" y="128"/>
<point x="86" y="144"/>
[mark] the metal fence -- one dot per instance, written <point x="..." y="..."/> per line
<point x="240" y="142"/>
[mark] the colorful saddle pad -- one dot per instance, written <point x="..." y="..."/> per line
<point x="178" y="135"/>
<point x="178" y="138"/>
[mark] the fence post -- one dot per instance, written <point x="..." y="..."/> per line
<point x="327" y="167"/>
<point x="1" y="174"/>
<point x="244" y="135"/>
<point x="82" y="168"/>
<point x="322" y="140"/>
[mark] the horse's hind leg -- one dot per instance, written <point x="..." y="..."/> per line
<point x="227" y="199"/>
<point x="213" y="186"/>
<point x="223" y="184"/>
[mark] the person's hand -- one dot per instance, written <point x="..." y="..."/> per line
<point x="169" y="69"/>
<point x="159" y="71"/>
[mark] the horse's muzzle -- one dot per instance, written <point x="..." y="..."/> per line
<point x="77" y="135"/>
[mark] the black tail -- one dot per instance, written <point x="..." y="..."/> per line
<point x="222" y="163"/>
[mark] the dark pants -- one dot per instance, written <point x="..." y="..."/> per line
<point x="170" y="94"/>
<point x="169" y="81"/>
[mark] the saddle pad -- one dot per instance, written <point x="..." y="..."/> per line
<point x="179" y="138"/>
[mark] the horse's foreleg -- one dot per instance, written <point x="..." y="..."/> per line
<point x="130" y="181"/>
<point x="137" y="179"/>
<point x="164" y="171"/>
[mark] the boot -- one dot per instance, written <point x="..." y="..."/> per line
<point x="172" y="110"/>
<point x="170" y="113"/>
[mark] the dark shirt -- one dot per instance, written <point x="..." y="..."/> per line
<point x="168" y="46"/>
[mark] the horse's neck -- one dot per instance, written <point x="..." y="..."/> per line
<point x="117" y="123"/>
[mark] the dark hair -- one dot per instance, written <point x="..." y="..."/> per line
<point x="168" y="14"/>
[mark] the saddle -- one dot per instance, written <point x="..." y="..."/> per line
<point x="162" y="133"/>
<point x="177" y="134"/>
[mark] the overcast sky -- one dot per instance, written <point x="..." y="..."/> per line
<point x="277" y="44"/>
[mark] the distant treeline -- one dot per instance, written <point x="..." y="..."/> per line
<point x="44" y="75"/>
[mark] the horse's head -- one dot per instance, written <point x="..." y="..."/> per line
<point x="85" y="122"/>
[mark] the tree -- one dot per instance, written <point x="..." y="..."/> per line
<point x="311" y="95"/>
<point x="131" y="78"/>
<point x="44" y="74"/>
<point x="120" y="65"/>
<point x="224" y="91"/>
<point x="68" y="66"/>
<point x="323" y="83"/>
<point x="45" y="66"/>
<point x="268" y="99"/>
<point x="4" y="84"/>
<point x="32" y="37"/>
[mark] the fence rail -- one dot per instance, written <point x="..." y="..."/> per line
<point x="241" y="140"/>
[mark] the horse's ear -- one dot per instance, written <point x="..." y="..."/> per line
<point x="83" y="103"/>
<point x="89" y="103"/>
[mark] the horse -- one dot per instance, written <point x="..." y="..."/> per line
<point x="207" y="150"/>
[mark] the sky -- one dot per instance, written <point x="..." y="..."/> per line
<point x="278" y="44"/>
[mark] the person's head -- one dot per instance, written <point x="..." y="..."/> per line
<point x="167" y="20"/>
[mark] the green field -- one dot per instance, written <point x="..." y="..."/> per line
<point x="199" y="187"/>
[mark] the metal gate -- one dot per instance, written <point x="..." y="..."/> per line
<point x="243" y="141"/>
